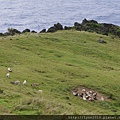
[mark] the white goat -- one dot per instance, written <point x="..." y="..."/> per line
<point x="24" y="82"/>
<point x="74" y="93"/>
<point x="88" y="94"/>
<point x="17" y="82"/>
<point x="8" y="75"/>
<point x="94" y="94"/>
<point x="9" y="70"/>
<point x="84" y="97"/>
<point x="40" y="91"/>
<point x="91" y="92"/>
<point x="83" y="90"/>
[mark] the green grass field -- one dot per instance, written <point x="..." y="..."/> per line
<point x="59" y="62"/>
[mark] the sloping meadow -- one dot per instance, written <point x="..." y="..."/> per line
<point x="59" y="62"/>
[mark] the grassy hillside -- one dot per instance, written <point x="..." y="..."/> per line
<point x="59" y="62"/>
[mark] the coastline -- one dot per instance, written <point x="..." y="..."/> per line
<point x="86" y="25"/>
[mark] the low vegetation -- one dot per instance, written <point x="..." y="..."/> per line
<point x="59" y="62"/>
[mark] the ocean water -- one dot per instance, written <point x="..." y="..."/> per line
<point x="39" y="14"/>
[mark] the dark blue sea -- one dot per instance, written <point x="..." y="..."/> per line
<point x="40" y="14"/>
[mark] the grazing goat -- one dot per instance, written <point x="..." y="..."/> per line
<point x="24" y="82"/>
<point x="84" y="97"/>
<point x="90" y="91"/>
<point x="75" y="94"/>
<point x="87" y="97"/>
<point x="81" y="95"/>
<point x="15" y="82"/>
<point x="9" y="70"/>
<point x="8" y="75"/>
<point x="90" y="99"/>
<point x="35" y="84"/>
<point x="94" y="97"/>
<point x="95" y="94"/>
<point x="40" y="91"/>
<point x="83" y="90"/>
<point x="88" y="94"/>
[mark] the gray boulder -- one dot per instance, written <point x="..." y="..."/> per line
<point x="26" y="30"/>
<point x="101" y="41"/>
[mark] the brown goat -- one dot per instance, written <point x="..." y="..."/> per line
<point x="35" y="84"/>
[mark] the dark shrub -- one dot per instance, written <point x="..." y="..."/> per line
<point x="1" y="34"/>
<point x="68" y="28"/>
<point x="77" y="26"/>
<point x="12" y="31"/>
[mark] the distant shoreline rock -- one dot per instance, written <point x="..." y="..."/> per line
<point x="86" y="25"/>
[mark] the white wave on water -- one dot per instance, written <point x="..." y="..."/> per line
<point x="39" y="14"/>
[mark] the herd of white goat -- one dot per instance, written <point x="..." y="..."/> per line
<point x="88" y="95"/>
<point x="18" y="82"/>
<point x="85" y="95"/>
<point x="14" y="82"/>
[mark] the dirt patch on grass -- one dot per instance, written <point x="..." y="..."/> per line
<point x="89" y="94"/>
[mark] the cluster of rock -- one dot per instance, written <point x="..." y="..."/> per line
<point x="86" y="25"/>
<point x="90" y="26"/>
<point x="100" y="28"/>
<point x="12" y="31"/>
